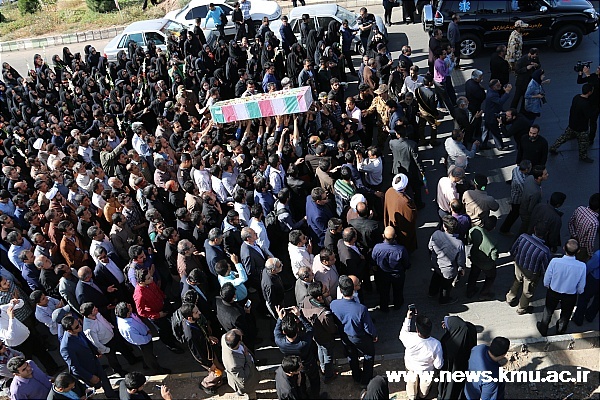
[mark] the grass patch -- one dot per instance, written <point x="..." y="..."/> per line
<point x="69" y="16"/>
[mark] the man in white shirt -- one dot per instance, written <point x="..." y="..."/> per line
<point x="101" y="333"/>
<point x="446" y="190"/>
<point x="422" y="353"/>
<point x="412" y="81"/>
<point x="300" y="251"/>
<point x="256" y="223"/>
<point x="354" y="113"/>
<point x="44" y="307"/>
<point x="239" y="196"/>
<point x="326" y="272"/>
<point x="565" y="279"/>
<point x="99" y="239"/>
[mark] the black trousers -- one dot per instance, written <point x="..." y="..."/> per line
<point x="348" y="58"/>
<point x="441" y="287"/>
<point x="387" y="14"/>
<point x="165" y="331"/>
<point x="34" y="346"/>
<point x="511" y="218"/>
<point x="221" y="29"/>
<point x="567" y="304"/>
<point x="117" y="343"/>
<point x="355" y="346"/>
<point x="593" y="126"/>
<point x="295" y="3"/>
<point x="150" y="360"/>
<point x="311" y="370"/>
<point x="591" y="292"/>
<point x="490" y="276"/>
<point x="519" y="95"/>
<point x="385" y="281"/>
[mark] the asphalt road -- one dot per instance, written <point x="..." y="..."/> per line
<point x="567" y="175"/>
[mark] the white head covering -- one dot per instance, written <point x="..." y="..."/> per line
<point x="357" y="198"/>
<point x="399" y="182"/>
<point x="38" y="143"/>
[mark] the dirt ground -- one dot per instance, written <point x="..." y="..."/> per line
<point x="343" y="388"/>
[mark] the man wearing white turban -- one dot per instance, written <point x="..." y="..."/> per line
<point x="399" y="211"/>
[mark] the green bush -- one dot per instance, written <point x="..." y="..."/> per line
<point x="1" y="17"/>
<point x="29" y="6"/>
<point x="101" y="6"/>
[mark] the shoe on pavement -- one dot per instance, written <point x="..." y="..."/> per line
<point x="528" y="310"/>
<point x="587" y="160"/>
<point x="450" y="300"/>
<point x="552" y="151"/>
<point x="538" y="325"/>
<point x="175" y="350"/>
<point x="512" y="304"/>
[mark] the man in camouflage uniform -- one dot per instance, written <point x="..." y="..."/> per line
<point x="514" y="50"/>
<point x="378" y="105"/>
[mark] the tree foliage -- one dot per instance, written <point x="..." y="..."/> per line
<point x="101" y="6"/>
<point x="28" y="6"/>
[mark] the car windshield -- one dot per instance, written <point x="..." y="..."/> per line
<point x="172" y="27"/>
<point x="343" y="14"/>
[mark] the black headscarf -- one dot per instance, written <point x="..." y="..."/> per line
<point x="458" y="340"/>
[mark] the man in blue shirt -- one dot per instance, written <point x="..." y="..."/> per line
<point x="215" y="13"/>
<point x="359" y="335"/>
<point x="29" y="381"/>
<point x="392" y="260"/>
<point x="487" y="359"/>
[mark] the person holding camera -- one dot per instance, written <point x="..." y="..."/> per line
<point x="495" y="98"/>
<point x="294" y="337"/>
<point x="423" y="353"/>
<point x="535" y="96"/>
<point x="524" y="68"/>
<point x="584" y="76"/>
<point x="514" y="124"/>
<point x="579" y="123"/>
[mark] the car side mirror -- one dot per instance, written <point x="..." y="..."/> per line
<point x="543" y="9"/>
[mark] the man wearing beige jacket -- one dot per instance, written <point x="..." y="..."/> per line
<point x="242" y="374"/>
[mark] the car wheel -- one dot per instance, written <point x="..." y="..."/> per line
<point x="567" y="38"/>
<point x="469" y="46"/>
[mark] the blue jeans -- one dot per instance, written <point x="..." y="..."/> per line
<point x="326" y="358"/>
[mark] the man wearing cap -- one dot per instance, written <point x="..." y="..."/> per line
<point x="379" y="106"/>
<point x="514" y="50"/>
<point x="478" y="203"/>
<point x="400" y="212"/>
<point x="487" y="359"/>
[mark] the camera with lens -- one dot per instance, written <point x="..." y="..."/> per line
<point x="580" y="65"/>
<point x="500" y="115"/>
<point x="358" y="147"/>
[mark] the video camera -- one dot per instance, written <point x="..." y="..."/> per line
<point x="580" y="65"/>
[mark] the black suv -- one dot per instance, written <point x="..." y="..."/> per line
<point x="489" y="23"/>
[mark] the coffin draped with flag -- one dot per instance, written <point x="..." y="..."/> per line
<point x="289" y="101"/>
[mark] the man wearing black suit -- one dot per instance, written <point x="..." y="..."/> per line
<point x="474" y="91"/>
<point x="213" y="249"/>
<point x="353" y="262"/>
<point x="406" y="161"/>
<point x="81" y="357"/>
<point x="468" y="122"/>
<point x="253" y="258"/>
<point x="499" y="67"/>
<point x="108" y="276"/>
<point x="233" y="316"/>
<point x="88" y="291"/>
<point x="369" y="231"/>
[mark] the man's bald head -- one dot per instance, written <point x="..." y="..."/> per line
<point x="362" y="209"/>
<point x="84" y="273"/>
<point x="389" y="233"/>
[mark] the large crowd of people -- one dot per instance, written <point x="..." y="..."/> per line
<point x="127" y="212"/>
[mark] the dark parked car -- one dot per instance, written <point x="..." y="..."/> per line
<point x="560" y="24"/>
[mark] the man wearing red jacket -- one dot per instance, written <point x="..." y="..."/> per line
<point x="150" y="303"/>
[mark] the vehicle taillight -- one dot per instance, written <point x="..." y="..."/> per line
<point x="438" y="19"/>
<point x="105" y="56"/>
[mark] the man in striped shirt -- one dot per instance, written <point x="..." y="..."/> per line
<point x="531" y="257"/>
<point x="245" y="6"/>
<point x="583" y="226"/>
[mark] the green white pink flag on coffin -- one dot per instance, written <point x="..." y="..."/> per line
<point x="289" y="101"/>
